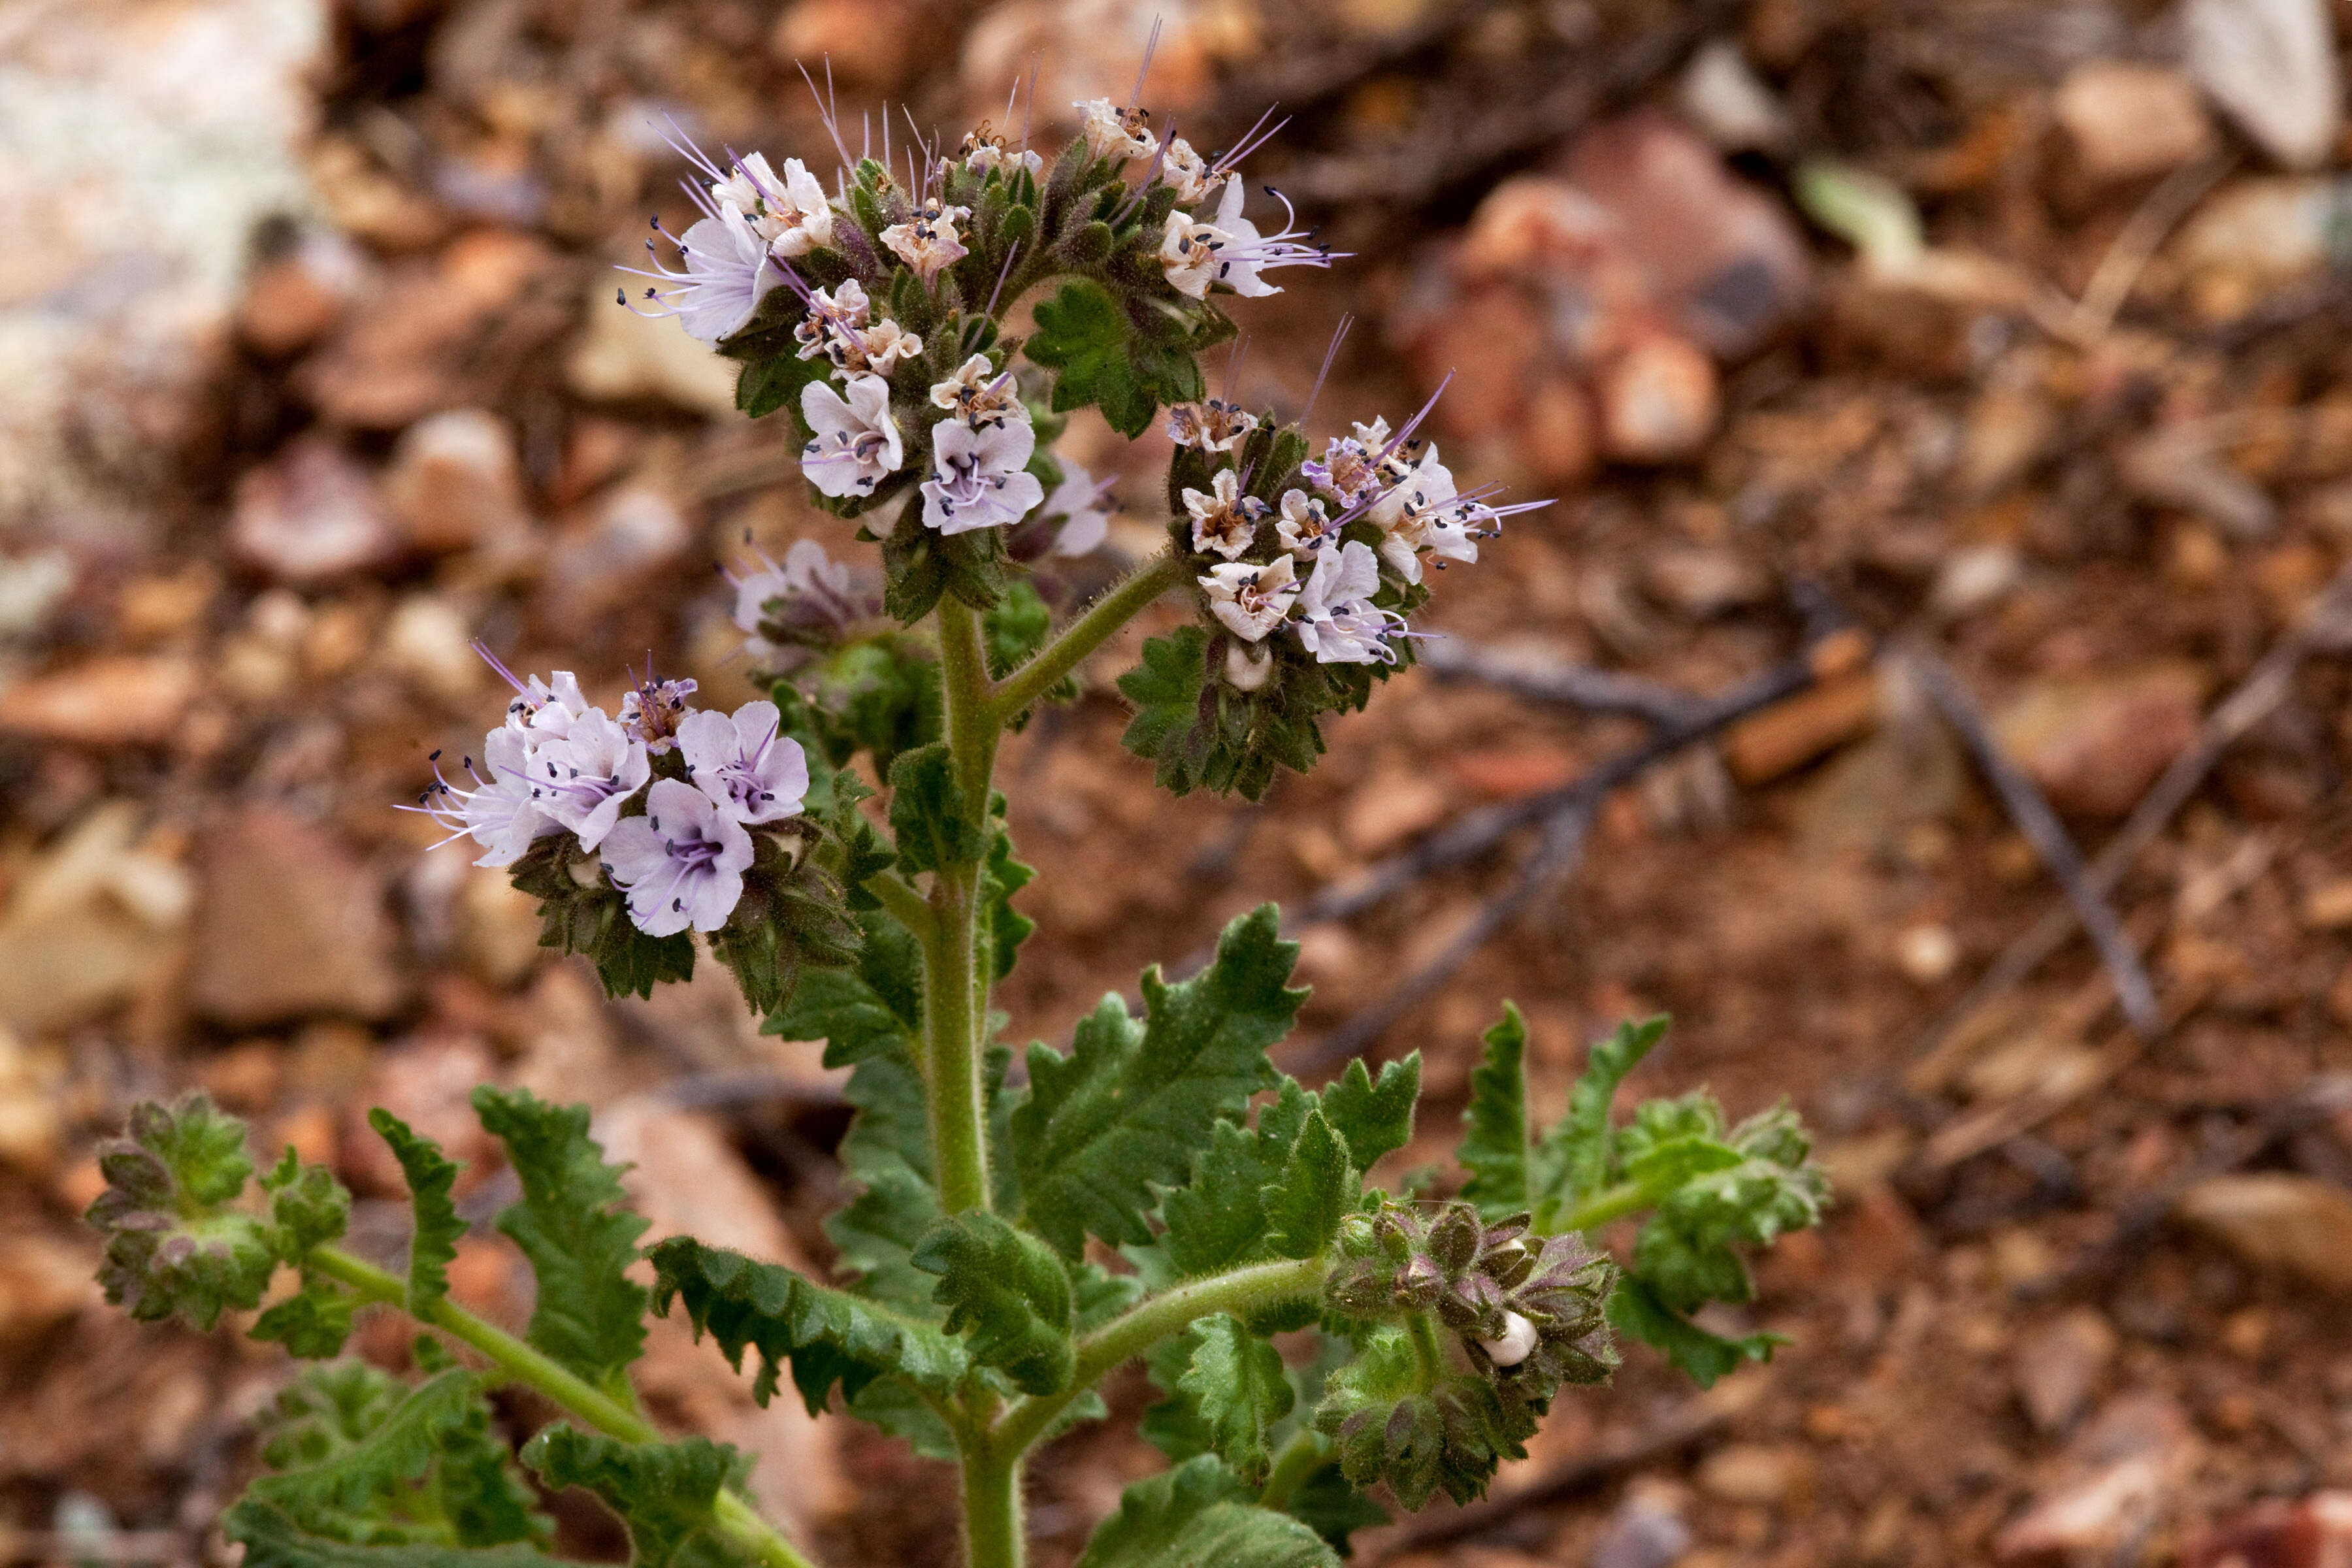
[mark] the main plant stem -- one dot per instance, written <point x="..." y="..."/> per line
<point x="974" y="713"/>
<point x="525" y="1363"/>
<point x="956" y="992"/>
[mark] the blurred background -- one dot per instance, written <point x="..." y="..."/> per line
<point x="1969" y="373"/>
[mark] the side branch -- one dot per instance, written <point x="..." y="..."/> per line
<point x="1152" y="1319"/>
<point x="520" y="1362"/>
<point x="1021" y="689"/>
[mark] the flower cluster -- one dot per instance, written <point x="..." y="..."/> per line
<point x="875" y="313"/>
<point x="676" y="845"/>
<point x="1328" y="553"/>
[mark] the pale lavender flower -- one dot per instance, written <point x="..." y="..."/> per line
<point x="929" y="242"/>
<point x="1077" y="500"/>
<point x="978" y="392"/>
<point x="810" y="596"/>
<point x="1229" y="249"/>
<point x="1351" y="467"/>
<point x="583" y="779"/>
<point x="1337" y="619"/>
<point x="1306" y="525"/>
<point x="1211" y="424"/>
<point x="681" y="864"/>
<point x="1111" y="131"/>
<point x="985" y="152"/>
<point x="857" y="444"/>
<point x="749" y="768"/>
<point x="1224" y="519"/>
<point x="790" y="213"/>
<point x="498" y="813"/>
<point x="651" y="710"/>
<point x="723" y="274"/>
<point x="979" y="477"/>
<point x="1251" y="600"/>
<point x="1187" y="173"/>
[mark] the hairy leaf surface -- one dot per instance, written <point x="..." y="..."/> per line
<point x="665" y="1492"/>
<point x="825" y="1336"/>
<point x="1238" y="1386"/>
<point x="431" y="1180"/>
<point x="1007" y="1294"/>
<point x="1135" y="1100"/>
<point x="572" y="1225"/>
<point x="1196" y="1515"/>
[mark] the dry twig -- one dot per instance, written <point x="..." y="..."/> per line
<point x="2051" y="842"/>
<point x="2327" y="624"/>
<point x="1550" y="681"/>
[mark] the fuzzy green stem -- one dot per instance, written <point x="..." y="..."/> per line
<point x="900" y="899"/>
<point x="1306" y="1453"/>
<point x="971" y="722"/>
<point x="955" y="992"/>
<point x="1427" y="1354"/>
<point x="1153" y="1318"/>
<point x="1607" y="1203"/>
<point x="1027" y="684"/>
<point x="993" y="1532"/>
<point x="522" y="1362"/>
<point x="951" y="1007"/>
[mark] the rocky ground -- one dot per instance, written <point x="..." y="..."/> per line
<point x="2000" y="342"/>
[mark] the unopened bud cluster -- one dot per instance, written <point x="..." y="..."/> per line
<point x="1523" y="1315"/>
<point x="1524" y="1305"/>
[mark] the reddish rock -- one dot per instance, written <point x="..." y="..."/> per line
<point x="2126" y="121"/>
<point x="429" y="1084"/>
<point x="2115" y="1481"/>
<point x="400" y="358"/>
<point x="288" y="922"/>
<point x="455" y="482"/>
<point x="2094" y="747"/>
<point x="310" y="514"/>
<point x="115" y="699"/>
<point x="2276" y="1220"/>
<point x="301" y="296"/>
<point x="2313" y="1532"/>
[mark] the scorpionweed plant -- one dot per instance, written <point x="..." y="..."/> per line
<point x="1161" y="1191"/>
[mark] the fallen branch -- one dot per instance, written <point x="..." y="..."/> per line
<point x="2327" y="624"/>
<point x="2051" y="842"/>
<point x="1566" y="813"/>
<point x="1550" y="681"/>
<point x="2320" y="1098"/>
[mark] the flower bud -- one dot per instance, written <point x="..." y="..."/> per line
<point x="1453" y="1238"/>
<point x="1358" y="1238"/>
<point x="1514" y="1344"/>
<point x="1419" y="1284"/>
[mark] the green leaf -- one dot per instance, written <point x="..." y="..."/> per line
<point x="468" y="1492"/>
<point x="869" y="1010"/>
<point x="1007" y="927"/>
<point x="1133" y="1102"/>
<point x="666" y="1493"/>
<point x="774" y="381"/>
<point x="1687" y="1253"/>
<point x="1015" y="628"/>
<point x="1635" y="1310"/>
<point x="172" y="1246"/>
<point x="1106" y="362"/>
<point x="570" y="1224"/>
<point x="308" y="1206"/>
<point x="430" y="1179"/>
<point x="1238" y="1385"/>
<point x="1334" y="1509"/>
<point x="272" y="1540"/>
<point x="888" y="1153"/>
<point x="929" y="818"/>
<point x="1217" y="1220"/>
<point x="1575" y="1157"/>
<point x="1317" y="1188"/>
<point x="1167" y="691"/>
<point x="1007" y="1294"/>
<point x="1375" y="1118"/>
<point x="1494" y="1147"/>
<point x="631" y="963"/>
<point x="1199" y="1515"/>
<point x="311" y="1324"/>
<point x="824" y="1335"/>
